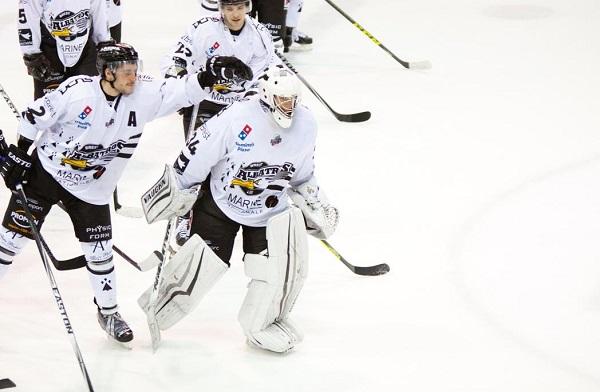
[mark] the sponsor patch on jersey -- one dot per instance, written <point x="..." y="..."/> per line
<point x="212" y="49"/>
<point x="68" y="25"/>
<point x="25" y="37"/>
<point x="245" y="132"/>
<point x="244" y="147"/>
<point x="86" y="111"/>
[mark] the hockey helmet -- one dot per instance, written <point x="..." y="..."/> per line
<point x="280" y="90"/>
<point x="113" y="55"/>
<point x="223" y="3"/>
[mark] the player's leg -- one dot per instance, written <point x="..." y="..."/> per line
<point x="15" y="233"/>
<point x="92" y="225"/>
<point x="197" y="266"/>
<point x="277" y="275"/>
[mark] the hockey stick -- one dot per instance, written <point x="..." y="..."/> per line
<point x="409" y="65"/>
<point x="130" y="212"/>
<point x="354" y="117"/>
<point x="150" y="310"/>
<point x="373" y="270"/>
<point x="6" y="383"/>
<point x="55" y="291"/>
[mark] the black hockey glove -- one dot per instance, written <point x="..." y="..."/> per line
<point x="39" y="67"/>
<point x="224" y="68"/>
<point x="15" y="167"/>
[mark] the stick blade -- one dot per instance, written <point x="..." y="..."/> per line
<point x="425" y="64"/>
<point x="354" y="117"/>
<point x="374" y="270"/>
<point x="6" y="383"/>
<point x="129" y="212"/>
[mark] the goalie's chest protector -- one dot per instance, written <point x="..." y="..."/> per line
<point x="262" y="159"/>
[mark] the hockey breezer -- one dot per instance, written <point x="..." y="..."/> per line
<point x="373" y="270"/>
<point x="408" y="65"/>
<point x="354" y="117"/>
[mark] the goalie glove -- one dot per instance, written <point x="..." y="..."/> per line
<point x="164" y="200"/>
<point x="320" y="215"/>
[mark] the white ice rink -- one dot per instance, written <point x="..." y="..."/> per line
<point x="478" y="181"/>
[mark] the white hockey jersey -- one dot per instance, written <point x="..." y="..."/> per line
<point x="68" y="21"/>
<point x="209" y="37"/>
<point x="251" y="160"/>
<point x="86" y="142"/>
<point x="113" y="12"/>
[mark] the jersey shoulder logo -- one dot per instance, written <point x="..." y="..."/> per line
<point x="245" y="132"/>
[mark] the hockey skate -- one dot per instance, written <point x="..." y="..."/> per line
<point x="300" y="41"/>
<point x="115" y="327"/>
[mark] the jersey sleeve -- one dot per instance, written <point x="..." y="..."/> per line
<point x="53" y="108"/>
<point x="306" y="169"/>
<point x="30" y="35"/>
<point x="165" y="96"/>
<point x="206" y="147"/>
<point x="100" y="21"/>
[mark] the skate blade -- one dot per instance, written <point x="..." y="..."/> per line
<point x="301" y="48"/>
<point x="124" y="345"/>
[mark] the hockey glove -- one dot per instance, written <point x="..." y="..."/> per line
<point x="320" y="215"/>
<point x="39" y="67"/>
<point x="224" y="68"/>
<point x="15" y="167"/>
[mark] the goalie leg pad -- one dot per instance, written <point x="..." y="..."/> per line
<point x="187" y="278"/>
<point x="277" y="279"/>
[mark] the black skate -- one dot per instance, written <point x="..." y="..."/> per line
<point x="301" y="41"/>
<point x="115" y="327"/>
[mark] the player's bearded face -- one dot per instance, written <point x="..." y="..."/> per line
<point x="234" y="16"/>
<point x="125" y="78"/>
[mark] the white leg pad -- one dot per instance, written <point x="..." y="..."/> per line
<point x="276" y="283"/>
<point x="187" y="278"/>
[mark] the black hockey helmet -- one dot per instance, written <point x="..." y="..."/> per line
<point x="233" y="2"/>
<point x="112" y="55"/>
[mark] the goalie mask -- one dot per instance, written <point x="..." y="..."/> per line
<point x="280" y="90"/>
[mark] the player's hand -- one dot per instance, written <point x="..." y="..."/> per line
<point x="15" y="167"/>
<point x="39" y="67"/>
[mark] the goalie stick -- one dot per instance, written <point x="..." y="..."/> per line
<point x="354" y="117"/>
<point x="151" y="309"/>
<point x="372" y="270"/>
<point x="406" y="64"/>
<point x="56" y="293"/>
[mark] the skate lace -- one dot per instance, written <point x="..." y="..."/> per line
<point x="115" y="325"/>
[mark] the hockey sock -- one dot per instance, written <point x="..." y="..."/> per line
<point x="101" y="272"/>
<point x="11" y="244"/>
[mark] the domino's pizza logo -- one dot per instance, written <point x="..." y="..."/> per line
<point x="85" y="112"/>
<point x="213" y="48"/>
<point x="245" y="132"/>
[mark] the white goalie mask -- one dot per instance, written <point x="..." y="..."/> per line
<point x="280" y="90"/>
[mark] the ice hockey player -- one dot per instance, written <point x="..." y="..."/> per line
<point x="293" y="38"/>
<point x="86" y="130"/>
<point x="250" y="159"/>
<point x="233" y="33"/>
<point x="58" y="39"/>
